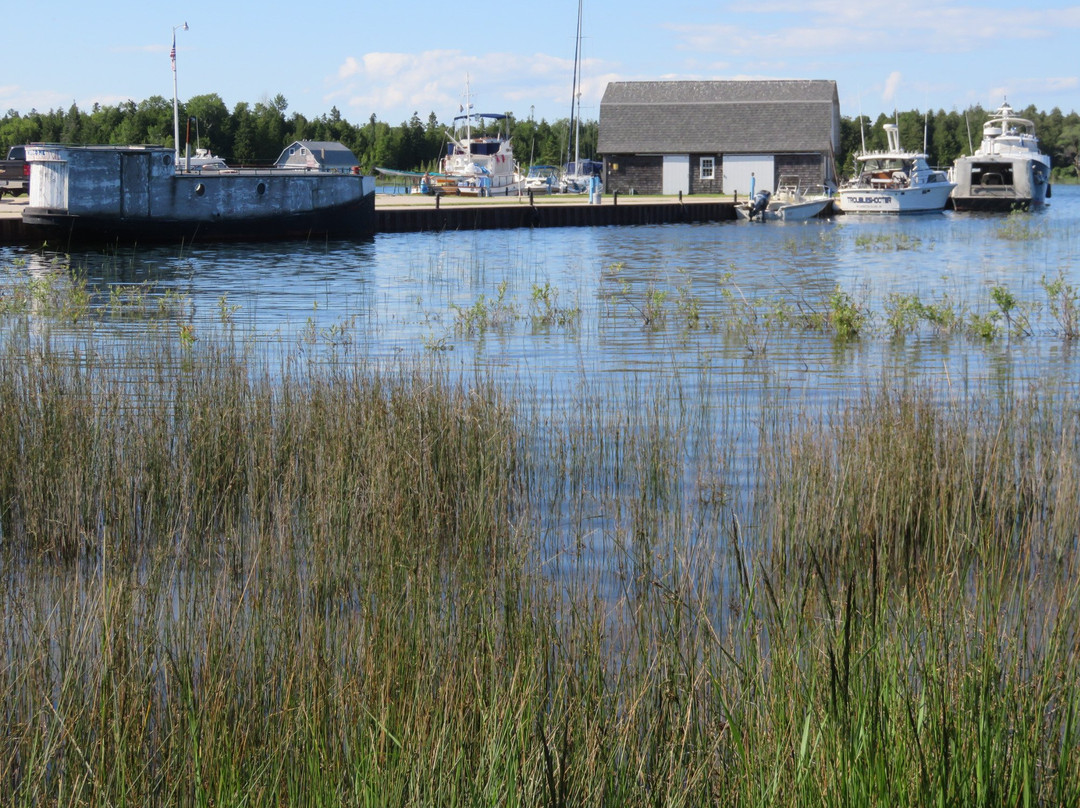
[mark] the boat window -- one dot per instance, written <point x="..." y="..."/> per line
<point x="708" y="168"/>
<point x="200" y="189"/>
<point x="260" y="189"/>
<point x="484" y="148"/>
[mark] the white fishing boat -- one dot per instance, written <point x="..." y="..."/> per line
<point x="894" y="181"/>
<point x="790" y="203"/>
<point x="1007" y="171"/>
<point x="479" y="158"/>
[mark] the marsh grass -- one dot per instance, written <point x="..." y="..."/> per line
<point x="330" y="585"/>
<point x="1020" y="226"/>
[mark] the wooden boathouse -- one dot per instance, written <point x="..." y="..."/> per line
<point x="692" y="137"/>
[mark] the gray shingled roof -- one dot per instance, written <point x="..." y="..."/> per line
<point x="676" y="117"/>
<point x="328" y="153"/>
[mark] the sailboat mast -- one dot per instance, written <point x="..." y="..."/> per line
<point x="468" y="111"/>
<point x="575" y="102"/>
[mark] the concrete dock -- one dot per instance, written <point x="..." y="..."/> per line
<point x="415" y="213"/>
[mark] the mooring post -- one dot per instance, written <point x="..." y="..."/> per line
<point x="437" y="196"/>
<point x="680" y="197"/>
<point x="530" y="198"/>
<point x="615" y="198"/>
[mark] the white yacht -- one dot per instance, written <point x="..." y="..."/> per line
<point x="894" y="181"/>
<point x="479" y="162"/>
<point x="1007" y="171"/>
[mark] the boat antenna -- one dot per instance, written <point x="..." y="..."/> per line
<point x="862" y="126"/>
<point x="468" y="111"/>
<point x="925" y="126"/>
<point x="967" y="123"/>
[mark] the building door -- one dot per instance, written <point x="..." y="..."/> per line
<point x="676" y="174"/>
<point x="135" y="185"/>
<point x="51" y="184"/>
<point x="740" y="170"/>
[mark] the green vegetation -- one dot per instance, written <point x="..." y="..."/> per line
<point x="547" y="311"/>
<point x="1064" y="303"/>
<point x="947" y="136"/>
<point x="321" y="584"/>
<point x="257" y="133"/>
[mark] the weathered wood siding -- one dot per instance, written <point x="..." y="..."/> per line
<point x="634" y="174"/>
<point x="809" y="168"/>
<point x="700" y="186"/>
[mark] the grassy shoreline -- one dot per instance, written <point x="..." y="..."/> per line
<point x="330" y="585"/>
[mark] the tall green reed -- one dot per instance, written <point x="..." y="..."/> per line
<point x="321" y="584"/>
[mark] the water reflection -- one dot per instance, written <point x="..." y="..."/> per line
<point x="670" y="301"/>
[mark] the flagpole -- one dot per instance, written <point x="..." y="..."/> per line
<point x="175" y="100"/>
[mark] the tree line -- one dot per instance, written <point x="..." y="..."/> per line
<point x="944" y="136"/>
<point x="255" y="134"/>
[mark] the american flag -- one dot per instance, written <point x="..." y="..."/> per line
<point x="172" y="53"/>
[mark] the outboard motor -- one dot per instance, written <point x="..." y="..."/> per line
<point x="758" y="205"/>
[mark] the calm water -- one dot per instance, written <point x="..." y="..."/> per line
<point x="686" y="302"/>
<point x="681" y="308"/>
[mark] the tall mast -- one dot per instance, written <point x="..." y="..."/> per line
<point x="575" y="98"/>
<point x="468" y="111"/>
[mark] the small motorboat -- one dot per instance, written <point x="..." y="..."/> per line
<point x="788" y="204"/>
<point x="543" y="179"/>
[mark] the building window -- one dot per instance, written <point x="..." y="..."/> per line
<point x="708" y="168"/>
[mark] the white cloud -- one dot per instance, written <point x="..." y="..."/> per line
<point x="846" y="26"/>
<point x="1020" y="89"/>
<point x="14" y="96"/>
<point x="892" y="82"/>
<point x="435" y="81"/>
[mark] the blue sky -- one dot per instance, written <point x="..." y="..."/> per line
<point x="395" y="58"/>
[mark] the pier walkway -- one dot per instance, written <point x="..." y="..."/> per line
<point x="415" y="213"/>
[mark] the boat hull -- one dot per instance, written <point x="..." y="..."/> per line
<point x="354" y="220"/>
<point x="992" y="204"/>
<point x="801" y="211"/>
<point x="1000" y="184"/>
<point x="91" y="193"/>
<point x="921" y="199"/>
<point x="787" y="211"/>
